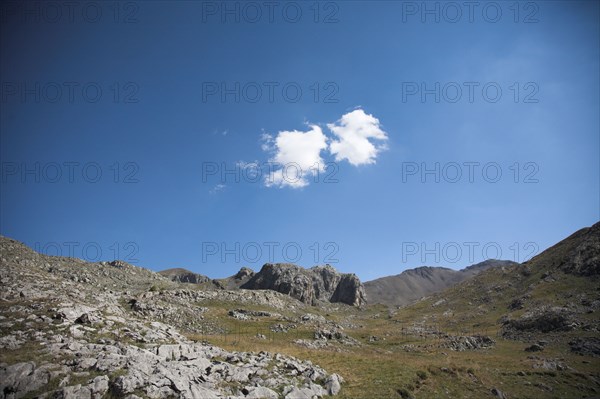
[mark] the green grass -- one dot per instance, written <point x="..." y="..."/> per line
<point x="404" y="363"/>
<point x="383" y="369"/>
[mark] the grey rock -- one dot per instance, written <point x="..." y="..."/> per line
<point x="75" y="392"/>
<point x="544" y="319"/>
<point x="534" y="348"/>
<point x="243" y="273"/>
<point x="99" y="385"/>
<point x="498" y="393"/>
<point x="184" y="276"/>
<point x="589" y="346"/>
<point x="308" y="392"/>
<point x="261" y="393"/>
<point x="350" y="291"/>
<point x="320" y="283"/>
<point x="584" y="258"/>
<point x="21" y="378"/>
<point x="333" y="384"/>
<point x="464" y="343"/>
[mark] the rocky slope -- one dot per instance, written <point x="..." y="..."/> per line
<point x="553" y="297"/>
<point x="235" y="281"/>
<point x="417" y="283"/>
<point x="71" y="329"/>
<point x="320" y="283"/>
<point x="184" y="276"/>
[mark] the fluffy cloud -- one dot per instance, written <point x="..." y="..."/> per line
<point x="353" y="133"/>
<point x="296" y="155"/>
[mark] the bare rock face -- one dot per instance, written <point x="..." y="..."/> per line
<point x="184" y="276"/>
<point x="244" y="273"/>
<point x="589" y="346"/>
<point x="349" y="290"/>
<point x="584" y="259"/>
<point x="320" y="283"/>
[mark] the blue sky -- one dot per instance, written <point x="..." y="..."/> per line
<point x="156" y="95"/>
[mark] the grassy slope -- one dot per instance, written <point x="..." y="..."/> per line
<point x="385" y="369"/>
<point x="409" y="363"/>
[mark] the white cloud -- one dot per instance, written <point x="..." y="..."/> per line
<point x="222" y="132"/>
<point x="268" y="143"/>
<point x="297" y="156"/>
<point x="249" y="170"/>
<point x="217" y="188"/>
<point x="353" y="133"/>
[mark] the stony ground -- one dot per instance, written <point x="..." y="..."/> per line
<point x="72" y="329"/>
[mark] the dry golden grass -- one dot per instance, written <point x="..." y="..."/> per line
<point x="383" y="369"/>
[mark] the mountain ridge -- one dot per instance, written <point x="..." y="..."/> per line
<point x="414" y="284"/>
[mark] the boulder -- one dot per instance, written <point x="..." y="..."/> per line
<point x="545" y="320"/>
<point x="589" y="346"/>
<point x="320" y="283"/>
<point x="21" y="378"/>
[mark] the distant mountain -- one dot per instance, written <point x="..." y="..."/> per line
<point x="554" y="296"/>
<point x="180" y="275"/>
<point x="417" y="283"/>
<point x="319" y="283"/>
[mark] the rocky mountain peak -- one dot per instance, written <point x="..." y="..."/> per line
<point x="413" y="284"/>
<point x="320" y="283"/>
<point x="583" y="258"/>
<point x="244" y="273"/>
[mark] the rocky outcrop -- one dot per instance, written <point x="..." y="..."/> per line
<point x="349" y="290"/>
<point x="584" y="259"/>
<point x="184" y="276"/>
<point x="545" y="320"/>
<point x="183" y="370"/>
<point x="244" y="273"/>
<point x="320" y="283"/>
<point x="589" y="346"/>
<point x="236" y="281"/>
<point x="74" y="329"/>
<point x="465" y="343"/>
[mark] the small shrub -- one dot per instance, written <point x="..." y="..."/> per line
<point x="404" y="393"/>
